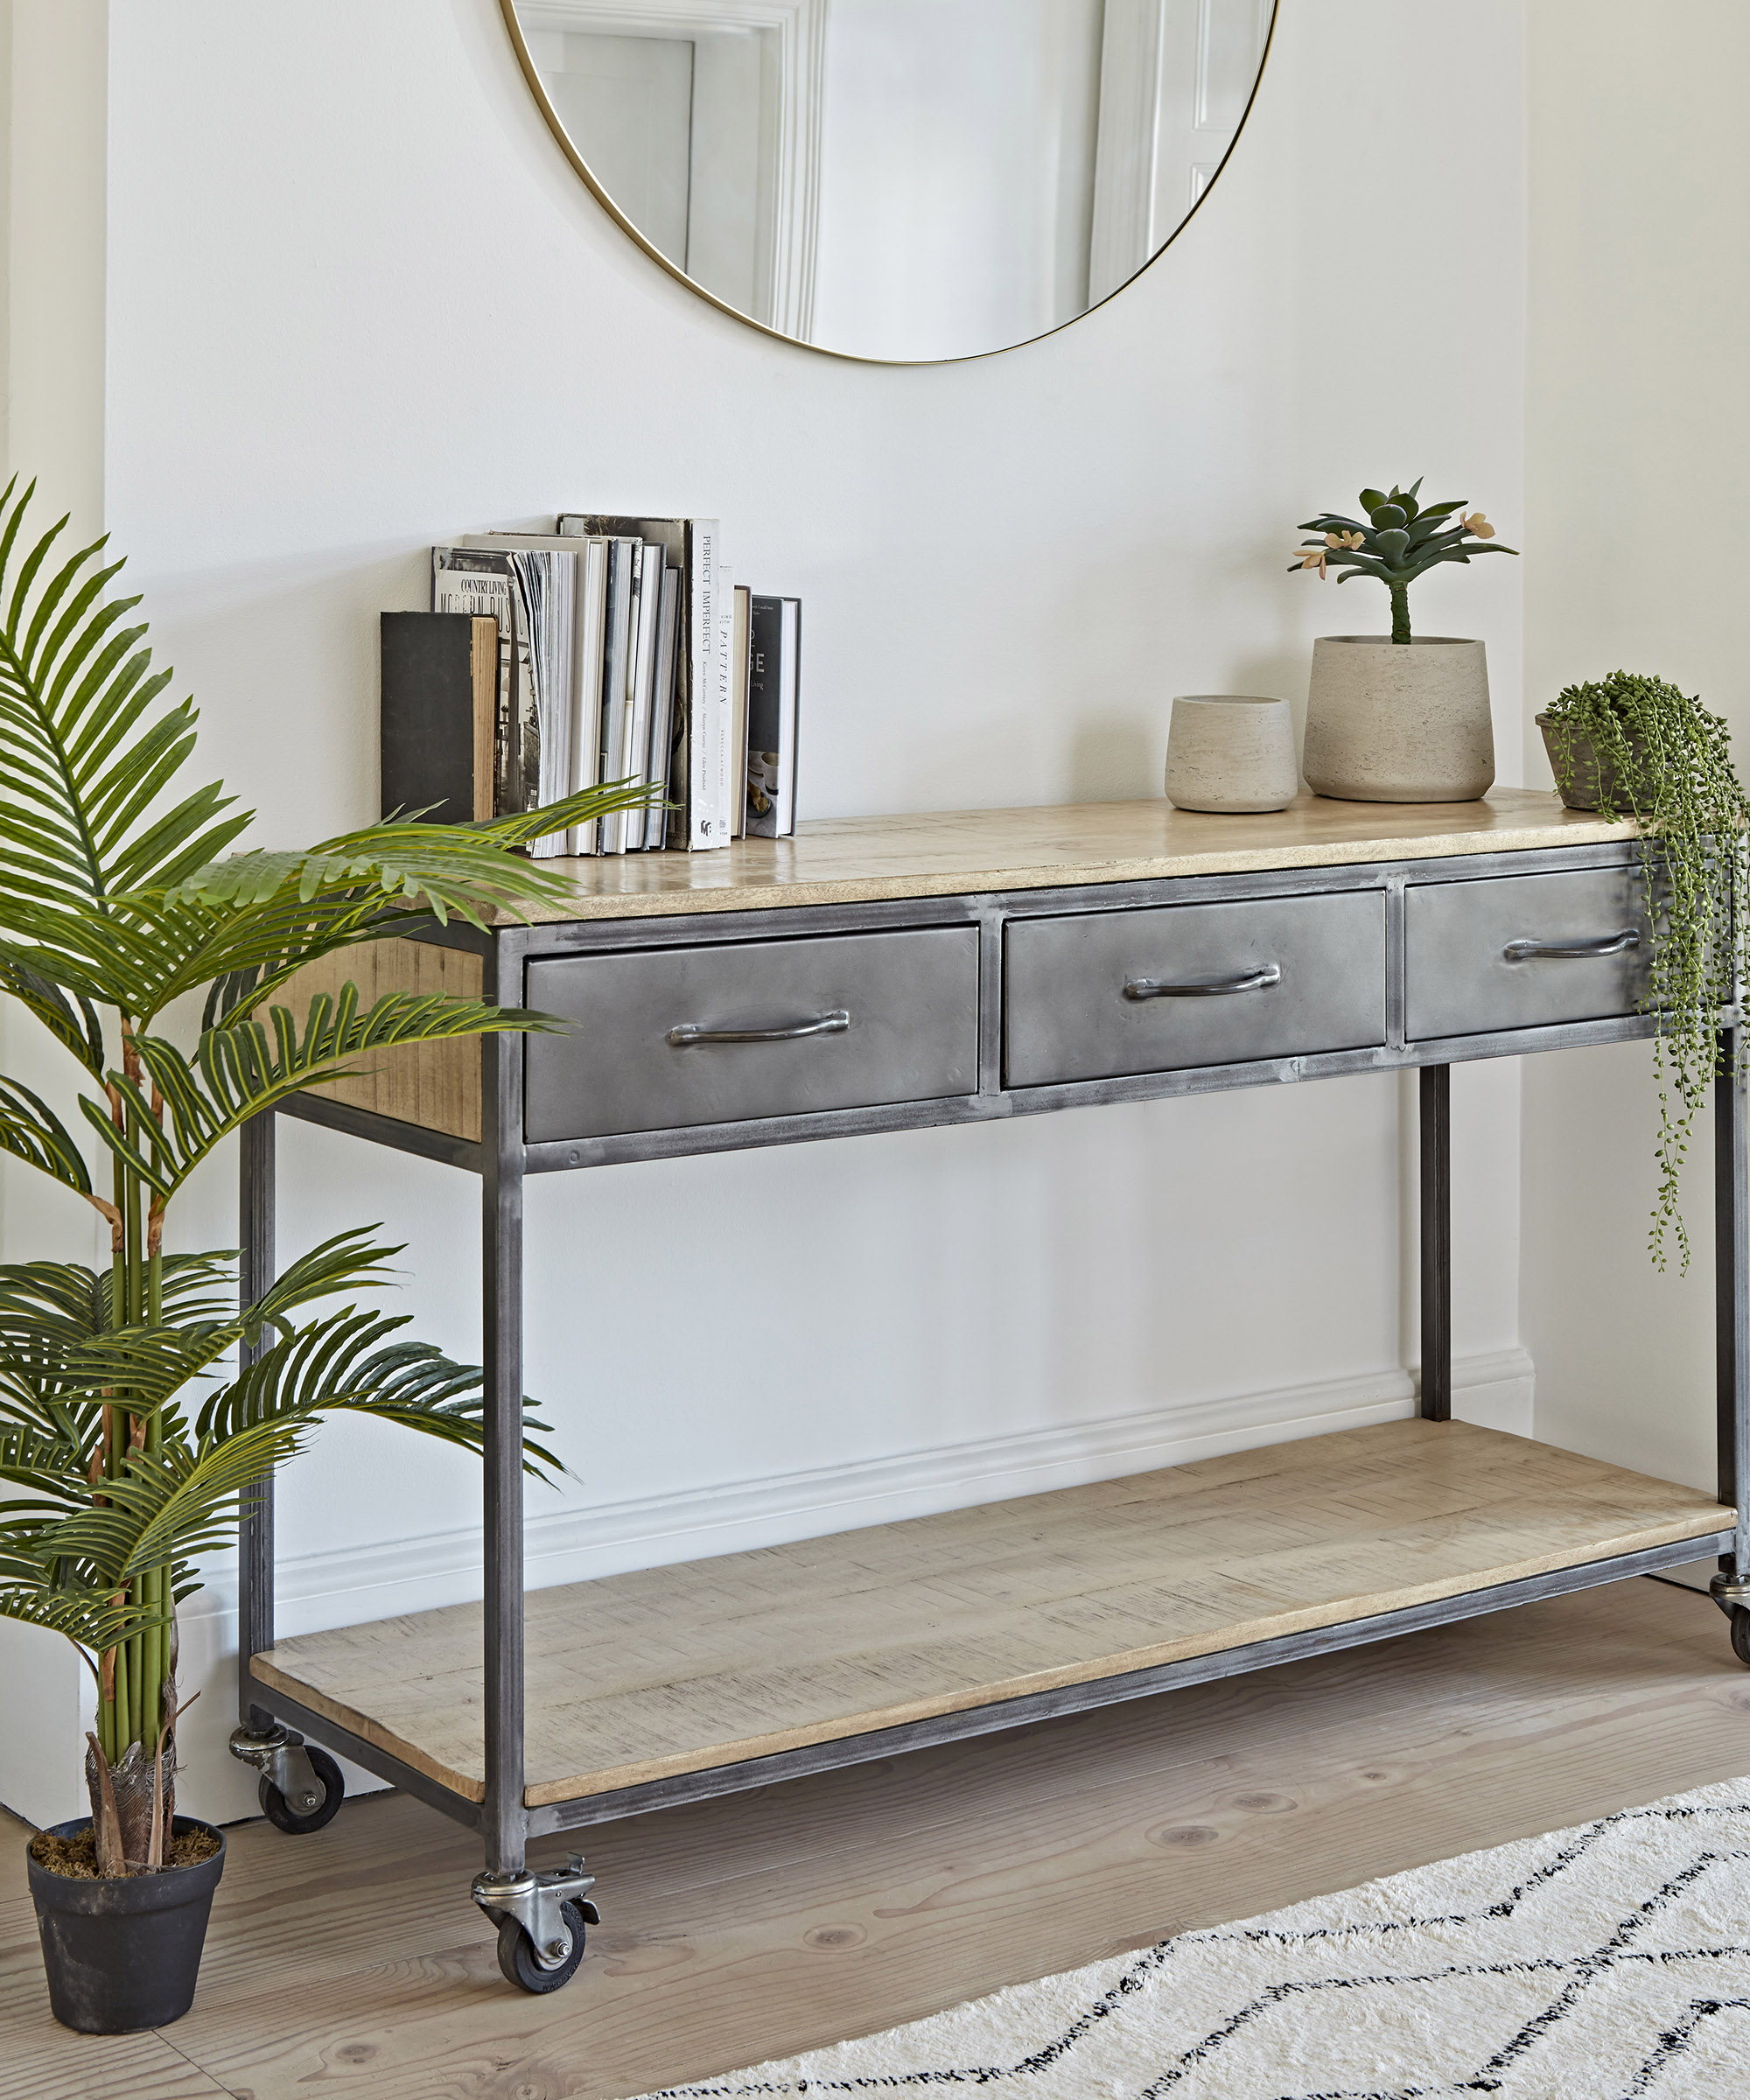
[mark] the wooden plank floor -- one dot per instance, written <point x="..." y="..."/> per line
<point x="351" y="1965"/>
<point x="672" y="1669"/>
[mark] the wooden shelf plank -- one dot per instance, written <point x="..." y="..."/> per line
<point x="665" y="1671"/>
<point x="957" y="853"/>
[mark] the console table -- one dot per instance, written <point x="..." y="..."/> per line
<point x="890" y="973"/>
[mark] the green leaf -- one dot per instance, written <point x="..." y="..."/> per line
<point x="1389" y="517"/>
<point x="346" y="1363"/>
<point x="31" y="1131"/>
<point x="83" y="758"/>
<point x="1371" y="499"/>
<point x="247" y="1065"/>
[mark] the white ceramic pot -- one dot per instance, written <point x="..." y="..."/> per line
<point x="1388" y="722"/>
<point x="1231" y="754"/>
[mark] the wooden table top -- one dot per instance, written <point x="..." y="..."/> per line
<point x="856" y="860"/>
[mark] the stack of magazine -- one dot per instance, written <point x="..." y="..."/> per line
<point x="627" y="652"/>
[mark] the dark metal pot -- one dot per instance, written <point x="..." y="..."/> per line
<point x="1595" y="781"/>
<point x="124" y="1955"/>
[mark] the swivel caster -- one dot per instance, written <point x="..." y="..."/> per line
<point x="1732" y="1597"/>
<point x="292" y="1816"/>
<point x="541" y="1920"/>
<point x="522" y="1965"/>
<point x="300" y="1788"/>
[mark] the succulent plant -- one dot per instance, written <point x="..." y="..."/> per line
<point x="1398" y="541"/>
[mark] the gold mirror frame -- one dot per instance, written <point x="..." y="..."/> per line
<point x="581" y="168"/>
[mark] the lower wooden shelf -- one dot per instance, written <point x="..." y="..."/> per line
<point x="670" y="1671"/>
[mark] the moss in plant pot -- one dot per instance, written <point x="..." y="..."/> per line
<point x="1635" y="746"/>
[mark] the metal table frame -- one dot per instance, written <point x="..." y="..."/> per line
<point x="503" y="1160"/>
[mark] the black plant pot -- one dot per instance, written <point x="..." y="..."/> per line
<point x="124" y="1955"/>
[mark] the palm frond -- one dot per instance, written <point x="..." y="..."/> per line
<point x="84" y="757"/>
<point x="246" y="1066"/>
<point x="40" y="1458"/>
<point x="95" y="1619"/>
<point x="73" y="1023"/>
<point x="441" y="869"/>
<point x="31" y="1131"/>
<point x="166" y="1508"/>
<point x="347" y="1364"/>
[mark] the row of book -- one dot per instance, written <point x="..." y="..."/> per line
<point x="622" y="649"/>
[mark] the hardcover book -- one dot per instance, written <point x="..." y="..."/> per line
<point x="773" y="703"/>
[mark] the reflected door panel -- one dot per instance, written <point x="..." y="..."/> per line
<point x="904" y="179"/>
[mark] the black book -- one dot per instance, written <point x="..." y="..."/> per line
<point x="774" y="700"/>
<point x="440" y="692"/>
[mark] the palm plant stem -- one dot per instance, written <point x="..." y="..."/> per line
<point x="1400" y="613"/>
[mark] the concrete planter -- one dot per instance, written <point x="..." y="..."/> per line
<point x="1231" y="754"/>
<point x="1593" y="781"/>
<point x="1387" y="723"/>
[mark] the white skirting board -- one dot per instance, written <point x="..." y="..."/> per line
<point x="40" y="1766"/>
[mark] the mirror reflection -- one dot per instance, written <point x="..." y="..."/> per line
<point x="900" y="178"/>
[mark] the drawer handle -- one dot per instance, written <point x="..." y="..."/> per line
<point x="1572" y="951"/>
<point x="688" y="1033"/>
<point x="1204" y="987"/>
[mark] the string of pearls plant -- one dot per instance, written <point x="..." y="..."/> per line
<point x="1637" y="746"/>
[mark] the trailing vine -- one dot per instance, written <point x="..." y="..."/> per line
<point x="1637" y="746"/>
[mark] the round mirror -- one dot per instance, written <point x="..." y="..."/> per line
<point x="897" y="179"/>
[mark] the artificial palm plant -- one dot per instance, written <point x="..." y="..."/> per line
<point x="130" y="1442"/>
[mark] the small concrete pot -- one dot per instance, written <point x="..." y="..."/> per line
<point x="1594" y="780"/>
<point x="1391" y="722"/>
<point x="1231" y="754"/>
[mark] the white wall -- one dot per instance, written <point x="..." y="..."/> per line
<point x="1638" y="438"/>
<point x="1009" y="566"/>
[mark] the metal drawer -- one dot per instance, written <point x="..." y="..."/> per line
<point x="1519" y="951"/>
<point x="831" y="1024"/>
<point x="1107" y="993"/>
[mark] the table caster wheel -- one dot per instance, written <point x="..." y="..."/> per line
<point x="516" y="1953"/>
<point x="1740" y="1633"/>
<point x="279" y="1812"/>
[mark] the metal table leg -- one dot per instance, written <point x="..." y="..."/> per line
<point x="542" y="1918"/>
<point x="505" y="1823"/>
<point x="1731" y="1293"/>
<point x="307" y="1797"/>
<point x="1435" y="1120"/>
<point x="255" y="1534"/>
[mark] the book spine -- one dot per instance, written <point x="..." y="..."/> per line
<point x="704" y="708"/>
<point x="741" y="642"/>
<point x="558" y="672"/>
<point x="789" y="711"/>
<point x="643" y="763"/>
<point x="662" y="721"/>
<point x="614" y="684"/>
<point x="483" y="678"/>
<point x="586" y="730"/>
<point x="481" y="585"/>
<point x="765" y="728"/>
<point x="723" y="703"/>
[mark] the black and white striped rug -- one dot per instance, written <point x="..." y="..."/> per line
<point x="1597" y="1963"/>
